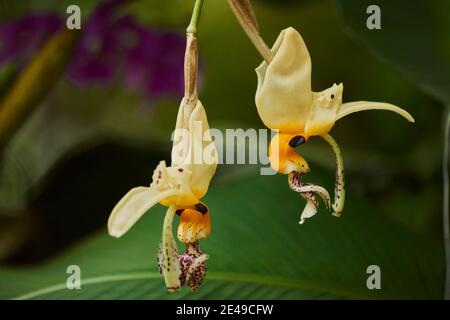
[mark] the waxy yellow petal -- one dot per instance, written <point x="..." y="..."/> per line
<point x="284" y="96"/>
<point x="132" y="207"/>
<point x="322" y="116"/>
<point x="350" y="107"/>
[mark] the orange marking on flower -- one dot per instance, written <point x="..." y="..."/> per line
<point x="194" y="225"/>
<point x="283" y="158"/>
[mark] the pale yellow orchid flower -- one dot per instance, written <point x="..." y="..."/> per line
<point x="287" y="105"/>
<point x="180" y="188"/>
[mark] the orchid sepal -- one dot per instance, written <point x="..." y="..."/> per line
<point x="168" y="254"/>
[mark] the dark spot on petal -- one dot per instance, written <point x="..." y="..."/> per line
<point x="200" y="207"/>
<point x="296" y="141"/>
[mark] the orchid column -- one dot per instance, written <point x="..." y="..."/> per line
<point x="180" y="186"/>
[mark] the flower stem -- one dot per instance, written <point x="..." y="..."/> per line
<point x="191" y="64"/>
<point x="446" y="195"/>
<point x="245" y="14"/>
<point x="169" y="253"/>
<point x="193" y="25"/>
<point x="339" y="189"/>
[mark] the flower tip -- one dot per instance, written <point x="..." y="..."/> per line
<point x="337" y="214"/>
<point x="115" y="232"/>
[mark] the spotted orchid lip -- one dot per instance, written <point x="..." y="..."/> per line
<point x="297" y="185"/>
<point x="193" y="266"/>
<point x="309" y="192"/>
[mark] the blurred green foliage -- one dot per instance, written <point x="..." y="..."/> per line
<point x="393" y="215"/>
<point x="257" y="251"/>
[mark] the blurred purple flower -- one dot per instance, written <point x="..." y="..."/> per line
<point x="103" y="47"/>
<point x="149" y="61"/>
<point x="156" y="69"/>
<point x="22" y="37"/>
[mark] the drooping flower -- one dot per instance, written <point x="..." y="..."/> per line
<point x="287" y="105"/>
<point x="180" y="188"/>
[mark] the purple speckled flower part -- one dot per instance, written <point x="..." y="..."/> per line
<point x="192" y="266"/>
<point x="151" y="62"/>
<point x="103" y="47"/>
<point x="112" y="45"/>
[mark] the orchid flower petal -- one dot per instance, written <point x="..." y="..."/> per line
<point x="168" y="255"/>
<point x="339" y="186"/>
<point x="309" y="193"/>
<point x="296" y="185"/>
<point x="350" y="107"/>
<point x="194" y="149"/>
<point x="312" y="205"/>
<point x="284" y="96"/>
<point x="196" y="272"/>
<point x="133" y="206"/>
<point x="193" y="226"/>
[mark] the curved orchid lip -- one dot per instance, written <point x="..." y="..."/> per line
<point x="309" y="192"/>
<point x="351" y="107"/>
<point x="284" y="96"/>
<point x="193" y="266"/>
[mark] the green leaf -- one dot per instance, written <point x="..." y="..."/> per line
<point x="257" y="251"/>
<point x="70" y="121"/>
<point x="407" y="39"/>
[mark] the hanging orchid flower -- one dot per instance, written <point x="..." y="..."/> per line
<point x="181" y="186"/>
<point x="288" y="106"/>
